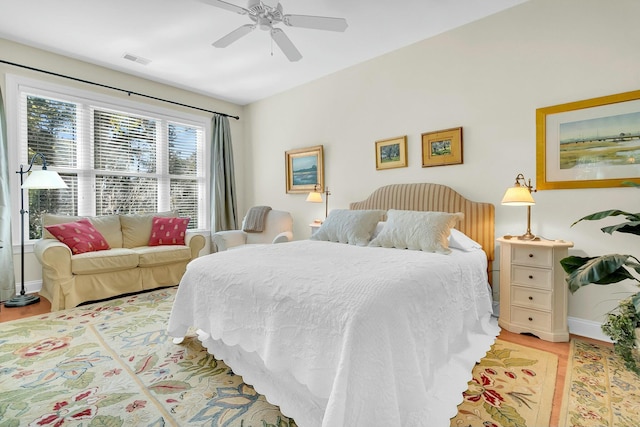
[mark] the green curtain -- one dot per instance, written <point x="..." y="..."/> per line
<point x="223" y="182"/>
<point x="7" y="279"/>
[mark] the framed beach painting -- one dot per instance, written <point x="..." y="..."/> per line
<point x="588" y="144"/>
<point x="442" y="147"/>
<point x="304" y="169"/>
<point x="391" y="153"/>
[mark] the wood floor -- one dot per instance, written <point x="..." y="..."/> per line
<point x="559" y="349"/>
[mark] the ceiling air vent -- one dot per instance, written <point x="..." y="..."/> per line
<point x="135" y="58"/>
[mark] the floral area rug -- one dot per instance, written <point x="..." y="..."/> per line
<point x="512" y="386"/>
<point x="599" y="390"/>
<point x="111" y="364"/>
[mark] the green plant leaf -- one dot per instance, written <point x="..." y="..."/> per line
<point x="631" y="227"/>
<point x="604" y="214"/>
<point x="602" y="270"/>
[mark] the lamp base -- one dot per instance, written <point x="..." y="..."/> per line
<point x="528" y="236"/>
<point x="22" y="300"/>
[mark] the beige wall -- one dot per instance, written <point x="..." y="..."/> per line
<point x="20" y="54"/>
<point x="488" y="77"/>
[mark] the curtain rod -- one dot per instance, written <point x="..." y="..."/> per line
<point x="129" y="92"/>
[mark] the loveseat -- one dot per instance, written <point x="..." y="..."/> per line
<point x="129" y="265"/>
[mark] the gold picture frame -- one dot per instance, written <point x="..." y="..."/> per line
<point x="391" y="153"/>
<point x="442" y="147"/>
<point x="304" y="169"/>
<point x="593" y="143"/>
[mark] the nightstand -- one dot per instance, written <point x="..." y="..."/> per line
<point x="315" y="226"/>
<point x="533" y="292"/>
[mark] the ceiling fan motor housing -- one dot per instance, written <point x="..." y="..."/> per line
<point x="264" y="15"/>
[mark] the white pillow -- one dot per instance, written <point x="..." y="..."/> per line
<point x="425" y="231"/>
<point x="347" y="226"/>
<point x="459" y="240"/>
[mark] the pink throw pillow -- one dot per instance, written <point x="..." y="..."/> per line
<point x="81" y="236"/>
<point x="168" y="230"/>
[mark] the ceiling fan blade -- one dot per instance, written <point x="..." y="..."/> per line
<point x="285" y="45"/>
<point x="227" y="6"/>
<point x="271" y="3"/>
<point x="234" y="35"/>
<point x="315" y="22"/>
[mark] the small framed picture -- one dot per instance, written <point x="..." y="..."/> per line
<point x="304" y="169"/>
<point x="391" y="153"/>
<point x="442" y="147"/>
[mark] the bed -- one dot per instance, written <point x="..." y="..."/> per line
<point x="350" y="334"/>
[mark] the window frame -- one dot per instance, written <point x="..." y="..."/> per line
<point x="17" y="150"/>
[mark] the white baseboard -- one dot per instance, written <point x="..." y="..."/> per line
<point x="587" y="328"/>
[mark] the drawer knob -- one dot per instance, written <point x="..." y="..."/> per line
<point x="530" y="255"/>
<point x="530" y="319"/>
<point x="530" y="298"/>
<point x="531" y="276"/>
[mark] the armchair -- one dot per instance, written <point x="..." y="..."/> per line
<point x="278" y="228"/>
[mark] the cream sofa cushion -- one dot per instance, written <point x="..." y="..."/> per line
<point x="136" y="229"/>
<point x="104" y="261"/>
<point x="149" y="256"/>
<point x="107" y="225"/>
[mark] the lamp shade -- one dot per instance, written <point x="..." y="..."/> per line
<point x="314" y="197"/>
<point x="43" y="179"/>
<point x="518" y="196"/>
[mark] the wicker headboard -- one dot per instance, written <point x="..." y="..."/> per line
<point x="479" y="218"/>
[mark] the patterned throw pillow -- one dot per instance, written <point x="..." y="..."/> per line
<point x="81" y="236"/>
<point x="168" y="230"/>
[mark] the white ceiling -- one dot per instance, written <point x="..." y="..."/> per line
<point x="176" y="36"/>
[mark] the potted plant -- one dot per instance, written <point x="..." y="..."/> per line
<point x="623" y="323"/>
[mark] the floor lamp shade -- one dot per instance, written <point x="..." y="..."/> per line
<point x="36" y="180"/>
<point x="43" y="180"/>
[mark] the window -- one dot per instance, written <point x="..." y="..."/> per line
<point x="116" y="157"/>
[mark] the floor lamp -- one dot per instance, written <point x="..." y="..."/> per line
<point x="38" y="179"/>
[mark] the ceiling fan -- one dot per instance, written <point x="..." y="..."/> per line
<point x="267" y="13"/>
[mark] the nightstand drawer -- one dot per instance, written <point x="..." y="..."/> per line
<point x="534" y="277"/>
<point x="531" y="298"/>
<point x="532" y="255"/>
<point x="531" y="318"/>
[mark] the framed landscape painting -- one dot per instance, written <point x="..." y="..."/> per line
<point x="442" y="147"/>
<point x="304" y="169"/>
<point x="391" y="153"/>
<point x="590" y="143"/>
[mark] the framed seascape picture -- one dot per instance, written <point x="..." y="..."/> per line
<point x="590" y="143"/>
<point x="442" y="147"/>
<point x="304" y="169"/>
<point x="391" y="153"/>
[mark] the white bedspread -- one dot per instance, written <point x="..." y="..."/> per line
<point x="339" y="335"/>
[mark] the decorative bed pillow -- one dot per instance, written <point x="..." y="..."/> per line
<point x="81" y="236"/>
<point x="168" y="230"/>
<point x="459" y="240"/>
<point x="425" y="231"/>
<point x="347" y="226"/>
